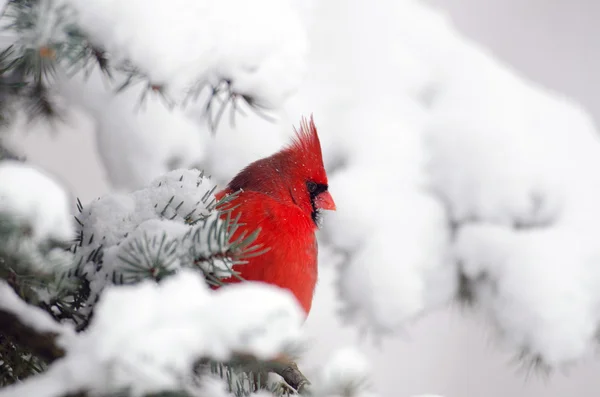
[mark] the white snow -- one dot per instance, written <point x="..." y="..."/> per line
<point x="214" y="387"/>
<point x="516" y="167"/>
<point x="444" y="159"/>
<point x="136" y="143"/>
<point x="147" y="336"/>
<point x="522" y="283"/>
<point x="35" y="200"/>
<point x="346" y="373"/>
<point x="259" y="46"/>
<point x="371" y="120"/>
<point x="167" y="208"/>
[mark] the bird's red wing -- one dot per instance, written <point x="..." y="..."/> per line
<point x="291" y="261"/>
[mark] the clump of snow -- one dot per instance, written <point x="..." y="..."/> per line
<point x="493" y="156"/>
<point x="380" y="286"/>
<point x="137" y="143"/>
<point x="140" y="142"/>
<point x="147" y="336"/>
<point x="537" y="285"/>
<point x="392" y="229"/>
<point x="516" y="167"/>
<point x="36" y="201"/>
<point x="213" y="386"/>
<point x="168" y="223"/>
<point x="346" y="373"/>
<point x="444" y="161"/>
<point x="259" y="47"/>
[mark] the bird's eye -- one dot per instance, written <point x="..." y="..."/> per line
<point x="312" y="187"/>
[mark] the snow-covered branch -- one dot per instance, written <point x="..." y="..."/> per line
<point x="258" y="47"/>
<point x="472" y="173"/>
<point x="35" y="201"/>
<point x="147" y="337"/>
<point x="35" y="228"/>
<point x="152" y="232"/>
<point x="31" y="327"/>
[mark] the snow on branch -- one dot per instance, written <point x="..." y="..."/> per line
<point x="257" y="47"/>
<point x="520" y="184"/>
<point x="31" y="327"/>
<point x="35" y="221"/>
<point x="147" y="337"/>
<point x="133" y="333"/>
<point x="150" y="337"/>
<point x="481" y="185"/>
<point x="152" y="233"/>
<point x="35" y="201"/>
<point x="135" y="145"/>
<point x="345" y="370"/>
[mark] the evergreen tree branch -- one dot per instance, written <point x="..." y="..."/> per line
<point x="42" y="344"/>
<point x="29" y="326"/>
<point x="282" y="366"/>
<point x="29" y="65"/>
<point x="293" y="377"/>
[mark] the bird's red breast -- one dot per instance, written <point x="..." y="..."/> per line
<point x="282" y="195"/>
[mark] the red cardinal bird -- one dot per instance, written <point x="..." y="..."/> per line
<point x="282" y="195"/>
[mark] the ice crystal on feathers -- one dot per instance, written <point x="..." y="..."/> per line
<point x="152" y="232"/>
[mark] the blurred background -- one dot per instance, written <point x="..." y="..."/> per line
<point x="552" y="42"/>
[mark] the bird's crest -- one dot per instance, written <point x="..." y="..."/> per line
<point x="290" y="168"/>
<point x="307" y="140"/>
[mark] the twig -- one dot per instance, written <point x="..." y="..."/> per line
<point x="282" y="366"/>
<point x="293" y="377"/>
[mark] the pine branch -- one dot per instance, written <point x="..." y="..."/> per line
<point x="221" y="96"/>
<point x="29" y="65"/>
<point x="293" y="377"/>
<point x="29" y="326"/>
<point x="42" y="344"/>
<point x="282" y="366"/>
<point x="28" y="265"/>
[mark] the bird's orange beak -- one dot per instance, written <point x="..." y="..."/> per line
<point x="324" y="201"/>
